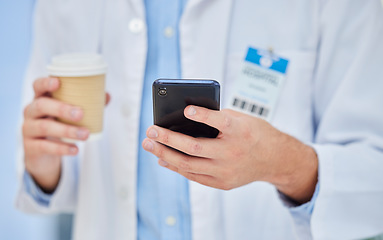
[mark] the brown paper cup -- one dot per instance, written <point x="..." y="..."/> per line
<point x="82" y="84"/>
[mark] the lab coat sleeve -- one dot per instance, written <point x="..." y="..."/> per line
<point x="301" y="213"/>
<point x="32" y="189"/>
<point x="348" y="100"/>
<point x="32" y="199"/>
<point x="64" y="198"/>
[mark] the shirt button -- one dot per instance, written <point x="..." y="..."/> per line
<point x="169" y="32"/>
<point x="136" y="25"/>
<point x="170" y="221"/>
<point x="123" y="193"/>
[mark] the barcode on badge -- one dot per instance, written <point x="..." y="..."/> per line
<point x="252" y="108"/>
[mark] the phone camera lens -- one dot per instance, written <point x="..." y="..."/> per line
<point x="162" y="92"/>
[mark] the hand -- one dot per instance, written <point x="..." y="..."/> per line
<point x="43" y="148"/>
<point x="247" y="149"/>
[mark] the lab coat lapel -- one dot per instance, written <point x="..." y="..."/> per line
<point x="138" y="7"/>
<point x="125" y="51"/>
<point x="203" y="38"/>
<point x="203" y="41"/>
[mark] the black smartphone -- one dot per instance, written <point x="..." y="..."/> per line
<point x="171" y="96"/>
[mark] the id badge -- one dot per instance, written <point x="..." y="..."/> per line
<point x="259" y="84"/>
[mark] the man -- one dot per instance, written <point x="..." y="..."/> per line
<point x="321" y="150"/>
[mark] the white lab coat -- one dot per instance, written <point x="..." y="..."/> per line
<point x="332" y="99"/>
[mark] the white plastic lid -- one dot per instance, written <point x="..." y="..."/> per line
<point x="77" y="65"/>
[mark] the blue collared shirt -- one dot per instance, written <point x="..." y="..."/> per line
<point x="163" y="208"/>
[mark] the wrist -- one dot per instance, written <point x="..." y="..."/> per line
<point x="296" y="173"/>
<point x="46" y="176"/>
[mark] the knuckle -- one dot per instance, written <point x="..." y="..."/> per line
<point x="68" y="131"/>
<point x="165" y="138"/>
<point x="190" y="176"/>
<point x="184" y="164"/>
<point x="195" y="147"/>
<point x="160" y="152"/>
<point x="247" y="135"/>
<point x="236" y="153"/>
<point x="177" y="170"/>
<point x="43" y="127"/>
<point x="226" y="122"/>
<point x="39" y="105"/>
<point x="62" y="110"/>
<point x="205" y="116"/>
<point x="26" y="110"/>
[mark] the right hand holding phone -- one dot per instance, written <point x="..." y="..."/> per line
<point x="247" y="149"/>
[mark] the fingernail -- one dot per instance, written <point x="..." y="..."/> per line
<point x="152" y="133"/>
<point x="148" y="145"/>
<point x="163" y="163"/>
<point x="191" y="111"/>
<point x="75" y="113"/>
<point x="81" y="133"/>
<point x="52" y="83"/>
<point x="72" y="150"/>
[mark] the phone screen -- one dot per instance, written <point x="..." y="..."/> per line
<point x="172" y="96"/>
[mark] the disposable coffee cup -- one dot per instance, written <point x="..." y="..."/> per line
<point x="82" y="84"/>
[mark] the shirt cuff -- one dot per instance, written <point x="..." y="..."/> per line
<point x="41" y="198"/>
<point x="301" y="213"/>
<point x="294" y="207"/>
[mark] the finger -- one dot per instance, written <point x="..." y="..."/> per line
<point x="199" y="147"/>
<point x="217" y="119"/>
<point x="44" y="106"/>
<point x="107" y="98"/>
<point x="44" y="85"/>
<point x="44" y="146"/>
<point x="203" y="179"/>
<point x="181" y="161"/>
<point x="52" y="128"/>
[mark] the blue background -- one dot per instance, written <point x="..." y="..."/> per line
<point x="15" y="36"/>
